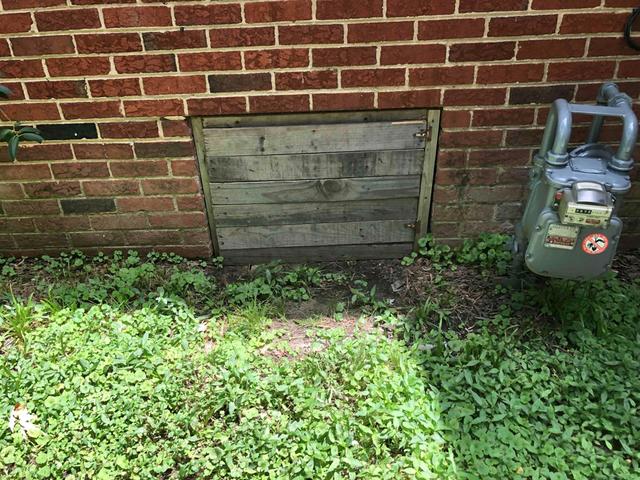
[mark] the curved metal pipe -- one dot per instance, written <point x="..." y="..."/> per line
<point x="557" y="132"/>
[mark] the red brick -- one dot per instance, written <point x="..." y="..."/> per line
<point x="170" y="186"/>
<point x="93" y="239"/>
<point x="119" y="222"/>
<point x="277" y="11"/>
<point x="99" y="2"/>
<point x="402" y="54"/>
<point x="17" y="171"/>
<point x="620" y="3"/>
<point x="592" y="22"/>
<point x="179" y="220"/>
<point x="5" y="51"/>
<point x="190" y="203"/>
<point x="207" y="14"/>
<point x="441" y="76"/>
<point x="153" y="237"/>
<point x="242" y="37"/>
<point x="305" y="34"/>
<point x="412" y="8"/>
<point x="136" y="17"/>
<point x="560" y="4"/>
<point x="455" y="119"/>
<point x="175" y="128"/>
<point x="383" y="31"/>
<point x="511" y="73"/>
<point x="342" y="101"/>
<point x="110" y="188"/>
<point x="163" y="149"/>
<point x="476" y="176"/>
<point x="281" y="58"/>
<point x="15" y="23"/>
<point x="129" y="130"/>
<point x="608" y="47"/>
<point x="52" y="189"/>
<point x="629" y="69"/>
<point x="17" y="92"/>
<point x="43" y="152"/>
<point x="240" y="82"/>
<point x="174" y="40"/>
<point x="481" y="96"/>
<point x="581" y="70"/>
<point x="500" y="158"/>
<point x="209" y="61"/>
<point x="80" y="170"/>
<point x="49" y="45"/>
<point x="518" y="116"/>
<point x="108" y="43"/>
<point x="102" y="151"/>
<point x="540" y="95"/>
<point x="456" y="28"/>
<point x="328" y="9"/>
<point x="474" y="52"/>
<point x="17" y="225"/>
<point x="145" y="204"/>
<point x="451" y="158"/>
<point x="91" y="109"/>
<point x="543" y="49"/>
<point x="30" y="111"/>
<point x="306" y="80"/>
<point x="492" y="5"/>
<point x="67" y="19"/>
<point x="62" y="224"/>
<point x="153" y="108"/>
<point x="24" y="4"/>
<point x="78" y="66"/>
<point x="523" y="137"/>
<point x="409" y="99"/>
<point x="31" y="207"/>
<point x="140" y="168"/>
<point x="279" y="103"/>
<point x="184" y="168"/>
<point x="145" y="63"/>
<point x="30" y="240"/>
<point x="22" y="68"/>
<point x="174" y="85"/>
<point x="117" y="87"/>
<point x="373" y="77"/>
<point x="57" y="89"/>
<point x="522" y="25"/>
<point x="11" y="191"/>
<point x="216" y="106"/>
<point x="348" y="56"/>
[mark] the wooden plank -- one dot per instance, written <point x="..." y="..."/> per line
<point x="306" y="118"/>
<point x="196" y="127"/>
<point x="316" y="254"/>
<point x="328" y="212"/>
<point x="288" y="139"/>
<point x="312" y="234"/>
<point x="326" y="190"/>
<point x="315" y="165"/>
<point x="427" y="178"/>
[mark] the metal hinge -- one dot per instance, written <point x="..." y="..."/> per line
<point x="424" y="133"/>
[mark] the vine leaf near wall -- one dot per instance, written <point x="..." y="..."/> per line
<point x="16" y="134"/>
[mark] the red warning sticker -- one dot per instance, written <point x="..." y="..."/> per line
<point x="595" y="243"/>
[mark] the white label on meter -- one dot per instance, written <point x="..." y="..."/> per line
<point x="561" y="236"/>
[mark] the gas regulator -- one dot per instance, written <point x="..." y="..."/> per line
<point x="570" y="228"/>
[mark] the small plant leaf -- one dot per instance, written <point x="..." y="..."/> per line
<point x="5" y="91"/>
<point x="13" y="147"/>
<point x="33" y="137"/>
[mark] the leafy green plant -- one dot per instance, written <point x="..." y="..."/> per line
<point x="17" y="133"/>
<point x="363" y="296"/>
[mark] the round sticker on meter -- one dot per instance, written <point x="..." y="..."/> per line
<point x="595" y="243"/>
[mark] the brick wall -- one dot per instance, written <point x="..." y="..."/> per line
<point x="111" y="83"/>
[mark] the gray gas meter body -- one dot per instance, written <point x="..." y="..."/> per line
<point x="570" y="227"/>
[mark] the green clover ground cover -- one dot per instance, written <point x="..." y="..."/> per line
<point x="128" y="382"/>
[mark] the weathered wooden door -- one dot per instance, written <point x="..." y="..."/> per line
<point x="305" y="187"/>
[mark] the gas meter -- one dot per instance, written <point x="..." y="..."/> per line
<point x="570" y="228"/>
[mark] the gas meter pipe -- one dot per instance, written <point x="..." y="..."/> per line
<point x="611" y="103"/>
